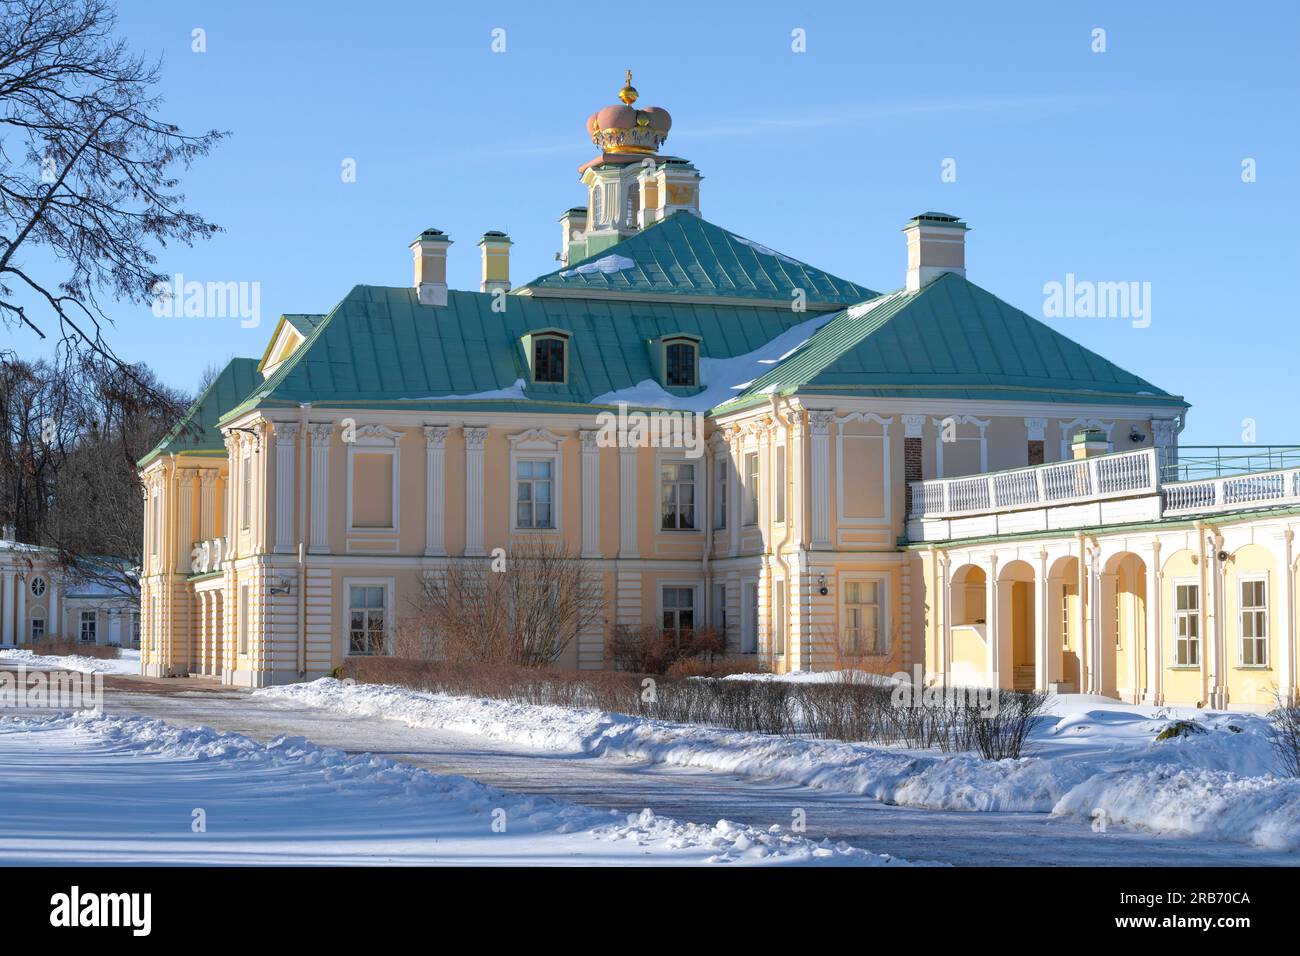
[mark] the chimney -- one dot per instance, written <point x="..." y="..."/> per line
<point x="936" y="243"/>
<point x="572" y="226"/>
<point x="430" y="250"/>
<point x="1089" y="444"/>
<point x="496" y="261"/>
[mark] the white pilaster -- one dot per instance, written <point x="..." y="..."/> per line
<point x="820" y="478"/>
<point x="1154" y="693"/>
<point x="992" y="631"/>
<point x="184" y="518"/>
<point x="286" y="448"/>
<point x="591" y="494"/>
<point x="475" y="437"/>
<point x="435" y="503"/>
<point x="627" y="502"/>
<point x="7" y="601"/>
<point x="1285" y="616"/>
<point x="321" y="435"/>
<point x="1042" y="658"/>
<point x="22" y="633"/>
<point x="55" y="626"/>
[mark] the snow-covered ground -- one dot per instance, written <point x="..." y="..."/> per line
<point x="127" y="661"/>
<point x="1093" y="758"/>
<point x="93" y="788"/>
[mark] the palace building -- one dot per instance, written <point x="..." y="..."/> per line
<point x="925" y="480"/>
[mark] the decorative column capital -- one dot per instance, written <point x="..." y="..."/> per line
<point x="589" y="437"/>
<point x="820" y="420"/>
<point x="207" y="477"/>
<point x="1037" y="428"/>
<point x="475" y="436"/>
<point x="321" y="433"/>
<point x="913" y="426"/>
<point x="435" y="436"/>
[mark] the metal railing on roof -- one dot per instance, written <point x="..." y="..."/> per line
<point x="1196" y="462"/>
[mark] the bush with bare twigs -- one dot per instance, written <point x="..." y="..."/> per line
<point x="1286" y="737"/>
<point x="520" y="610"/>
<point x="653" y="650"/>
<point x="56" y="647"/>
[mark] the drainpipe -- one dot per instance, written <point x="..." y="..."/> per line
<point x="304" y="452"/>
<point x="785" y="541"/>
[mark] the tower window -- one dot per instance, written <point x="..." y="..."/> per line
<point x="548" y="359"/>
<point x="679" y="364"/>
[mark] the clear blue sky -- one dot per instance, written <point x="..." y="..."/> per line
<point x="1120" y="166"/>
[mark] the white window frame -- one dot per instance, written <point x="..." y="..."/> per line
<point x="533" y="481"/>
<point x="696" y="590"/>
<point x="537" y="444"/>
<point x="244" y="619"/>
<point x="881" y="581"/>
<point x="750" y="506"/>
<point x="721" y="477"/>
<point x="780" y="498"/>
<point x="246" y="490"/>
<point x="43" y="627"/>
<point x="1189" y="614"/>
<point x="749" y="614"/>
<point x="91" y="618"/>
<point x="389" y="586"/>
<point x="695" y="482"/>
<point x="376" y="440"/>
<point x="37" y="586"/>
<point x="1262" y="612"/>
<point x="778" y="615"/>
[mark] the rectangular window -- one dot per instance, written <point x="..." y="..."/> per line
<point x="548" y="359"/>
<point x="749" y="639"/>
<point x="1254" y="622"/>
<point x="534" y="487"/>
<point x="778" y="618"/>
<point x="863" y="617"/>
<point x="720" y="495"/>
<point x="38" y="629"/>
<point x="244" y="617"/>
<point x="246" y="493"/>
<point x="89" y="624"/>
<point x="1065" y="617"/>
<point x="720" y="607"/>
<point x="778" y="496"/>
<point x="680" y="360"/>
<point x="367" y="632"/>
<point x="135" y="628"/>
<point x="751" y="488"/>
<point x="679" y="612"/>
<point x="677" y="494"/>
<point x="1187" y="625"/>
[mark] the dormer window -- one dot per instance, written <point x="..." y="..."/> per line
<point x="547" y="351"/>
<point x="681" y="363"/>
<point x="548" y="359"/>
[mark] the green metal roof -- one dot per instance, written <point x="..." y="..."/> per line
<point x="952" y="339"/>
<point x="685" y="255"/>
<point x="304" y="322"/>
<point x="197" y="431"/>
<point x="380" y="348"/>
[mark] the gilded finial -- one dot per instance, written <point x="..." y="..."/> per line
<point x="628" y="93"/>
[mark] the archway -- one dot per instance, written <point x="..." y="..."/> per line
<point x="1123" y="627"/>
<point x="1016" y="625"/>
<point x="1064" y="624"/>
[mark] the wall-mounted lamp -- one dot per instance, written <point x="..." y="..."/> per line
<point x="284" y="587"/>
<point x="821" y="584"/>
<point x="1136" y="436"/>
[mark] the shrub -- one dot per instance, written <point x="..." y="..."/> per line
<point x="1286" y="737"/>
<point x="1002" y="734"/>
<point x="1180" y="728"/>
<point x="58" y="647"/>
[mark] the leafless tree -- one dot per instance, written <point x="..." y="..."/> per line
<point x="524" y="608"/>
<point x="68" y="451"/>
<point x="87" y="172"/>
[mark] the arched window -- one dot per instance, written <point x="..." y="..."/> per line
<point x="680" y="364"/>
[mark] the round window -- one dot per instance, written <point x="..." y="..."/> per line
<point x="38" y="586"/>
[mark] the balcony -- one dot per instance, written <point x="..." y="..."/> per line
<point x="1121" y="488"/>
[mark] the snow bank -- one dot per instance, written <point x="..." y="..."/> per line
<point x="1084" y="738"/>
<point x="1206" y="804"/>
<point x="422" y="808"/>
<point x="127" y="663"/>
